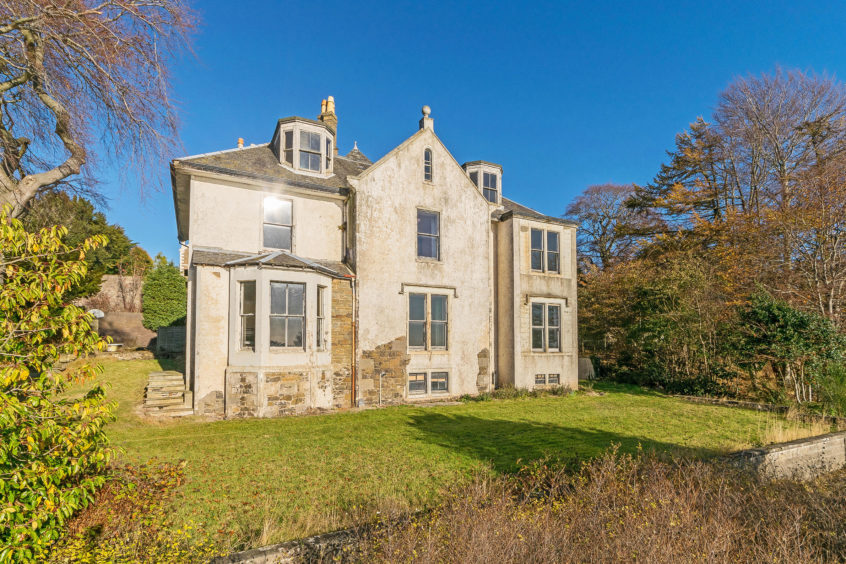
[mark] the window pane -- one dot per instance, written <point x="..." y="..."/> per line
<point x="427" y="246"/>
<point x="427" y="222"/>
<point x="304" y="160"/>
<point x="277" y="298"/>
<point x="277" y="211"/>
<point x="289" y="140"/>
<point x="440" y="381"/>
<point x="537" y="240"/>
<point x="554" y="335"/>
<point x="248" y="331"/>
<point x="416" y="334"/>
<point x="474" y="178"/>
<point x="553" y="379"/>
<point x="490" y="195"/>
<point x="277" y="237"/>
<point x="309" y="141"/>
<point x="319" y="324"/>
<point x="439" y="307"/>
<point x="417" y="383"/>
<point x="439" y="334"/>
<point x="248" y="297"/>
<point x="296" y="295"/>
<point x="277" y="331"/>
<point x="552" y="262"/>
<point x="295" y="332"/>
<point x="540" y="378"/>
<point x="321" y="290"/>
<point x="552" y="241"/>
<point x="553" y="314"/>
<point x="314" y="161"/>
<point x="537" y="315"/>
<point x="537" y="338"/>
<point x="489" y="180"/>
<point x="537" y="260"/>
<point x="417" y="307"/>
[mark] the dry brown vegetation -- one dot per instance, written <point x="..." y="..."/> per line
<point x="624" y="508"/>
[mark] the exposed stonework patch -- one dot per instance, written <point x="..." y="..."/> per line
<point x="285" y="393"/>
<point x="211" y="404"/>
<point x="483" y="379"/>
<point x="390" y="361"/>
<point x="242" y="394"/>
<point x="342" y="341"/>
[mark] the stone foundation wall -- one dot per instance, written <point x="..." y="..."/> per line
<point x="210" y="405"/>
<point x="242" y="394"/>
<point x="390" y="361"/>
<point x="342" y="343"/>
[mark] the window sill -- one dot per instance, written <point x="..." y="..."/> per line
<point x="429" y="260"/>
<point x="428" y="351"/>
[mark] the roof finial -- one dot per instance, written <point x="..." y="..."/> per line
<point x="355" y="145"/>
<point x="427" y="122"/>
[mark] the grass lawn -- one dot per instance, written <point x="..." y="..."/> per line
<point x="296" y="476"/>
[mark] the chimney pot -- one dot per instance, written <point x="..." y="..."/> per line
<point x="240" y="142"/>
<point x="330" y="104"/>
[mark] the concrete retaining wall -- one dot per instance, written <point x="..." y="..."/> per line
<point x="804" y="459"/>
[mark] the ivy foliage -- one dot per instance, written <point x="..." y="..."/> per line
<point x="164" y="299"/>
<point x="53" y="449"/>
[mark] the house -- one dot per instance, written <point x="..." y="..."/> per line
<point x="324" y="281"/>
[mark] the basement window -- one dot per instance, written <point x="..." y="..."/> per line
<point x="553" y="379"/>
<point x="540" y="379"/>
<point x="440" y="382"/>
<point x="417" y="383"/>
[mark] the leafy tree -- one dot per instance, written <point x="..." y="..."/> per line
<point x="798" y="344"/>
<point x="53" y="448"/>
<point x="80" y="75"/>
<point x="164" y="298"/>
<point x="119" y="256"/>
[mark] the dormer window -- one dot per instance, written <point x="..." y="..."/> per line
<point x="488" y="179"/>
<point x="427" y="165"/>
<point x="304" y="145"/>
<point x="310" y="151"/>
<point x="489" y="188"/>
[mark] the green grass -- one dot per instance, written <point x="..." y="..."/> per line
<point x="302" y="475"/>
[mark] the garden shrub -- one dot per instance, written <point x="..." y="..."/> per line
<point x="130" y="521"/>
<point x="164" y="298"/>
<point x="53" y="449"/>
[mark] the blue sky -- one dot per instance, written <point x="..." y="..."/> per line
<point x="563" y="95"/>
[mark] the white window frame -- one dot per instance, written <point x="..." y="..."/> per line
<point x="436" y="237"/>
<point x="486" y="189"/>
<point x="428" y="322"/>
<point x="545" y="253"/>
<point x="265" y="222"/>
<point x="545" y="327"/>
<point x="320" y="318"/>
<point x="242" y="316"/>
<point x="287" y="315"/>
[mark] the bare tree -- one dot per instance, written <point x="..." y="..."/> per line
<point x="76" y="75"/>
<point x="608" y="228"/>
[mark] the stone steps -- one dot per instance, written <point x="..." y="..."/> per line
<point x="167" y="395"/>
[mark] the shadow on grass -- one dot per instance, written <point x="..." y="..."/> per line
<point x="504" y="444"/>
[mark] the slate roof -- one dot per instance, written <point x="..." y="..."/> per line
<point x="284" y="259"/>
<point x="260" y="162"/>
<point x="512" y="208"/>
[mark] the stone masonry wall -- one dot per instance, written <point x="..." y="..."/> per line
<point x="804" y="459"/>
<point x="242" y="394"/>
<point x="342" y="342"/>
<point x="390" y="361"/>
<point x="285" y="392"/>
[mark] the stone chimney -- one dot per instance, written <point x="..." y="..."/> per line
<point x="240" y="142"/>
<point x="327" y="116"/>
<point x="426" y="122"/>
